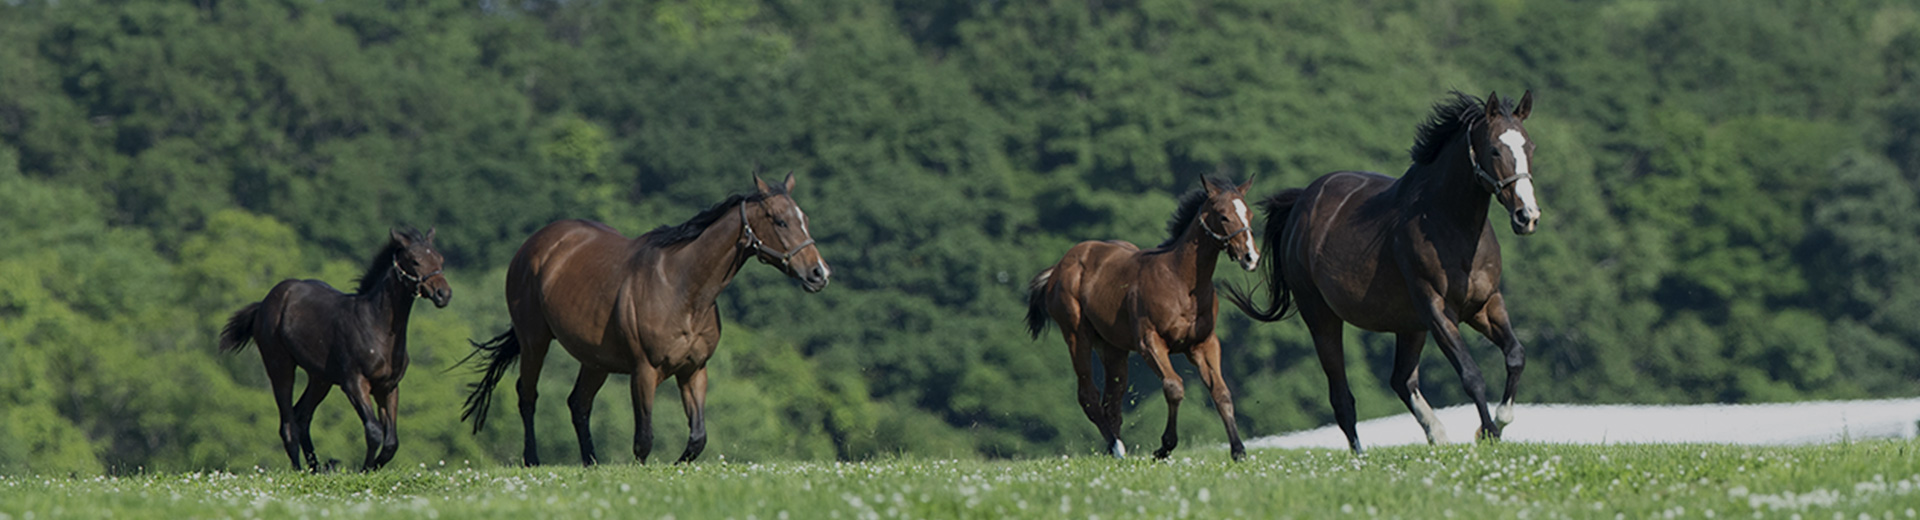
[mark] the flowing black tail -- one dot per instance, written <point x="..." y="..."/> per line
<point x="239" y="329"/>
<point x="501" y="352"/>
<point x="1037" y="317"/>
<point x="1279" y="209"/>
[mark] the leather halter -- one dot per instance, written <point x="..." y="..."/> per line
<point x="416" y="280"/>
<point x="1223" y="238"/>
<point x="1492" y="184"/>
<point x="760" y="248"/>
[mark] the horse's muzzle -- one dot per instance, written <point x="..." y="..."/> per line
<point x="441" y="297"/>
<point x="815" y="279"/>
<point x="1526" y="221"/>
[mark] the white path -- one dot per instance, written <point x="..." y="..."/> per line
<point x="1785" y="423"/>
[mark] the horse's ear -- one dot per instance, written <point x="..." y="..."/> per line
<point x="761" y="185"/>
<point x="396" y="236"/>
<point x="1493" y="105"/>
<point x="1244" y="186"/>
<point x="430" y="230"/>
<point x="1526" y="106"/>
<point x="1211" y="191"/>
<point x="789" y="182"/>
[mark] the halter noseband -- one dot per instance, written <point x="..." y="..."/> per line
<point x="417" y="281"/>
<point x="754" y="244"/>
<point x="1223" y="238"/>
<point x="1493" y="185"/>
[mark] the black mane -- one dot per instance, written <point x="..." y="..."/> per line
<point x="1190" y="204"/>
<point x="1450" y="117"/>
<point x="664" y="236"/>
<point x="383" y="261"/>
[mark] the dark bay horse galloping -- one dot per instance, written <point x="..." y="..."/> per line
<point x="642" y="306"/>
<point x="1112" y="298"/>
<point x="1412" y="256"/>
<point x="357" y="341"/>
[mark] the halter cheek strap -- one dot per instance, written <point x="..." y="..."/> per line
<point x="754" y="244"/>
<point x="1223" y="238"/>
<point x="417" y="281"/>
<point x="1493" y="185"/>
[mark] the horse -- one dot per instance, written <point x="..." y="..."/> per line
<point x="1413" y="256"/>
<point x="1112" y="298"/>
<point x="356" y="341"/>
<point x="642" y="306"/>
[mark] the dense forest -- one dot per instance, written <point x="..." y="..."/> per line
<point x="1729" y="191"/>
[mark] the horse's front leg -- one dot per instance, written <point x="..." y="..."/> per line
<point x="1492" y="322"/>
<point x="1441" y="323"/>
<point x="646" y="379"/>
<point x="693" y="395"/>
<point x="580" y="405"/>
<point x="359" y="396"/>
<point x="389" y="401"/>
<point x="1206" y="357"/>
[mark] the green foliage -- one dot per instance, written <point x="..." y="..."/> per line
<point x="1728" y="185"/>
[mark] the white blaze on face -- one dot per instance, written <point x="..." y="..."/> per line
<point x="1253" y="255"/>
<point x="801" y="217"/>
<point x="1523" y="188"/>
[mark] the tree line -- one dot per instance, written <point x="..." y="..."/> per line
<point x="1728" y="189"/>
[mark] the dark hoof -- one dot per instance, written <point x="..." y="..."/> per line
<point x="1162" y="453"/>
<point x="1239" y="455"/>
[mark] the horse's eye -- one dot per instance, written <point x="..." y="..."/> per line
<point x="780" y="222"/>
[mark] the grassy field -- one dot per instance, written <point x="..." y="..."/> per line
<point x="1859" y="480"/>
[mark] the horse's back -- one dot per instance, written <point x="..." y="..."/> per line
<point x="563" y="281"/>
<point x="565" y="249"/>
<point x="300" y="317"/>
<point x="1340" y="247"/>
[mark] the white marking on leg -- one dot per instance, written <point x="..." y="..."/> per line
<point x="1505" y="415"/>
<point x="1119" y="449"/>
<point x="1423" y="412"/>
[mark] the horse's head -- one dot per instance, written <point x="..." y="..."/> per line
<point x="1226" y="218"/>
<point x="416" y="262"/>
<point x="1502" y="156"/>
<point x="777" y="233"/>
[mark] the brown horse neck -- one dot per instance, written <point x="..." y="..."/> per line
<point x="705" y="265"/>
<point x="390" y="306"/>
<point x="1446" y="189"/>
<point x="1196" y="254"/>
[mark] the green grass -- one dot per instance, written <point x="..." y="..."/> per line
<point x="1859" y="480"/>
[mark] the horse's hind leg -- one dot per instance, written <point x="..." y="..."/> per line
<point x="1406" y="383"/>
<point x="1327" y="331"/>
<point x="1155" y="350"/>
<point x="580" y="403"/>
<point x="533" y="356"/>
<point x="693" y="395"/>
<point x="1079" y="347"/>
<point x="317" y="388"/>
<point x="280" y="377"/>
<point x="1492" y="322"/>
<point x="1113" y="364"/>
<point x="1206" y="357"/>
